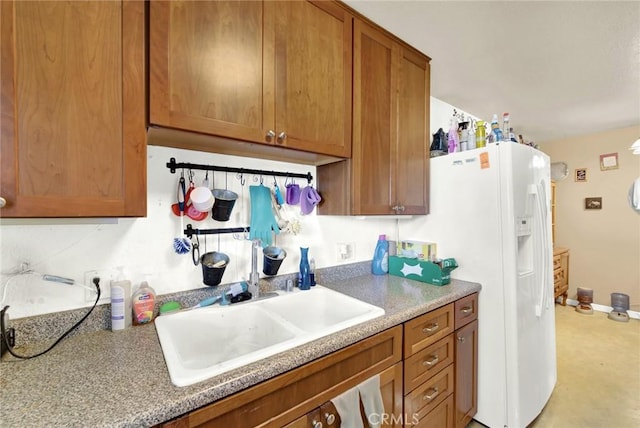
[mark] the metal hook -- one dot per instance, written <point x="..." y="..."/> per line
<point x="240" y="176"/>
<point x="195" y="248"/>
<point x="261" y="179"/>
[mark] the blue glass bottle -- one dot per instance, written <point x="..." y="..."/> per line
<point x="304" y="282"/>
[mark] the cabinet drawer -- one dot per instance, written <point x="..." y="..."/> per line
<point x="558" y="275"/>
<point x="466" y="310"/>
<point x="427" y="396"/>
<point x="557" y="261"/>
<point x="427" y="329"/>
<point x="440" y="417"/>
<point x="426" y="363"/>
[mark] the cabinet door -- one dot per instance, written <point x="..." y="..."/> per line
<point x="410" y="173"/>
<point x="211" y="67"/>
<point x="391" y="390"/>
<point x="374" y="120"/>
<point x="313" y="77"/>
<point x="466" y="373"/>
<point x="73" y="109"/>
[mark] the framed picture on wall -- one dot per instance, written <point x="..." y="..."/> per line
<point x="581" y="174"/>
<point x="593" y="203"/>
<point x="608" y="161"/>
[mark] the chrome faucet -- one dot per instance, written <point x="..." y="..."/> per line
<point x="254" y="276"/>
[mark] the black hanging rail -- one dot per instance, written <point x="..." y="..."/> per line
<point x="173" y="166"/>
<point x="190" y="230"/>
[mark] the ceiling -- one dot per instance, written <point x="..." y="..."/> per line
<point x="561" y="69"/>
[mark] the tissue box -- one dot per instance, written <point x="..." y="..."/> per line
<point x="417" y="249"/>
<point x="422" y="270"/>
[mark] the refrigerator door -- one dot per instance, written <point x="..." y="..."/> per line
<point x="529" y="311"/>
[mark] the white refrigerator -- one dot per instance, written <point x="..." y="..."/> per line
<point x="490" y="210"/>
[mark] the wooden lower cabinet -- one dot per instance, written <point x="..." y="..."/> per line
<point x="466" y="375"/>
<point x="326" y="416"/>
<point x="433" y="383"/>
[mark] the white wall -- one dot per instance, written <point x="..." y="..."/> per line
<point x="143" y="246"/>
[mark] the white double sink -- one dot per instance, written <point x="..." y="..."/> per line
<point x="206" y="342"/>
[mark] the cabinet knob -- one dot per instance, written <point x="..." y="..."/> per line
<point x="431" y="361"/>
<point x="3" y="202"/>
<point x="282" y="136"/>
<point x="270" y="134"/>
<point x="461" y="339"/>
<point x="395" y="208"/>
<point x="329" y="418"/>
<point x="401" y="208"/>
<point x="431" y="394"/>
<point x="431" y="328"/>
<point x="316" y="424"/>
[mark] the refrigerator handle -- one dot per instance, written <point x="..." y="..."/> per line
<point x="540" y="195"/>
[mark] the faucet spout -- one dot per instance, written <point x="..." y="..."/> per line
<point x="254" y="276"/>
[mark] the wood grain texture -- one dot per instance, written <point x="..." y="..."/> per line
<point x="466" y="310"/>
<point x="466" y="402"/>
<point x="65" y="140"/>
<point x="411" y="176"/>
<point x="416" y="371"/>
<point x="241" y="69"/>
<point x="431" y="393"/>
<point x="426" y="329"/>
<point x="390" y="163"/>
<point x="440" y="417"/>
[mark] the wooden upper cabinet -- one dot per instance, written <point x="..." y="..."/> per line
<point x="412" y="155"/>
<point x="389" y="169"/>
<point x="73" y="109"/>
<point x="267" y="72"/>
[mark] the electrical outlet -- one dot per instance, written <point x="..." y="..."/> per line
<point x="346" y="251"/>
<point x="106" y="276"/>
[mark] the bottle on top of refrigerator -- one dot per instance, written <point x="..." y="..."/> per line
<point x="120" y="302"/>
<point x="481" y="138"/>
<point x="495" y="129"/>
<point x="144" y="301"/>
<point x="380" y="264"/>
<point x="506" y="126"/>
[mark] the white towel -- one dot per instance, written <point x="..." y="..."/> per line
<point x="372" y="401"/>
<point x="348" y="407"/>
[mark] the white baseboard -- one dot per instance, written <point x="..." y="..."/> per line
<point x="602" y="308"/>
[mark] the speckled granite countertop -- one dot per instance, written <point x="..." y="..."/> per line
<point x="105" y="379"/>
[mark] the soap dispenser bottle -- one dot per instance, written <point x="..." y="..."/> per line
<point x="380" y="264"/>
<point x="120" y="302"/>
<point x="144" y="300"/>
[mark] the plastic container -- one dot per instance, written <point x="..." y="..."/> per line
<point x="380" y="264"/>
<point x="481" y="139"/>
<point x="120" y="303"/>
<point x="495" y="129"/>
<point x="144" y="300"/>
<point x="506" y="125"/>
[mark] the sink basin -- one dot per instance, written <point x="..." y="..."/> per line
<point x="206" y="342"/>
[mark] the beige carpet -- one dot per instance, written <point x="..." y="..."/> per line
<point x="598" y="373"/>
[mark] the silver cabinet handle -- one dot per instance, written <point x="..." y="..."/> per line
<point x="270" y="134"/>
<point x="461" y="339"/>
<point x="432" y="393"/>
<point x="431" y="361"/>
<point x="466" y="310"/>
<point x="431" y="328"/>
<point x="329" y="418"/>
<point x="282" y="136"/>
<point x="316" y="424"/>
<point x="401" y="208"/>
<point x="3" y="202"/>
